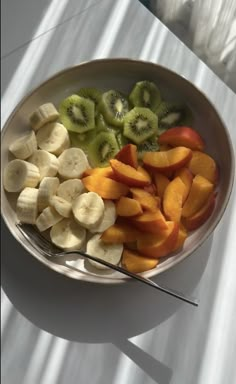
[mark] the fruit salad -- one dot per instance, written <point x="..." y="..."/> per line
<point x="125" y="177"/>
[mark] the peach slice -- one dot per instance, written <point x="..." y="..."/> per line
<point x="187" y="178"/>
<point x="151" y="189"/>
<point x="128" y="155"/>
<point x="134" y="262"/>
<point x="199" y="193"/>
<point x="152" y="222"/>
<point x="145" y="173"/>
<point x="182" y="136"/>
<point x="128" y="175"/>
<point x="161" y="182"/>
<point x="204" y="165"/>
<point x="182" y="236"/>
<point x="160" y="244"/>
<point x="173" y="199"/>
<point x="146" y="200"/>
<point x="120" y="233"/>
<point x="127" y="207"/>
<point x="106" y="172"/>
<point x="201" y="216"/>
<point x="105" y="187"/>
<point x="165" y="161"/>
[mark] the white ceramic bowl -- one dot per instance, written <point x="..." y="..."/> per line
<point x="121" y="74"/>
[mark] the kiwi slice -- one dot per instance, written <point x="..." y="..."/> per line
<point x="145" y="94"/>
<point x="103" y="148"/>
<point x="150" y="145"/>
<point x="82" y="140"/>
<point x="140" y="124"/>
<point x="77" y="114"/>
<point x="114" y="107"/>
<point x="92" y="94"/>
<point x="121" y="140"/>
<point x="171" y="114"/>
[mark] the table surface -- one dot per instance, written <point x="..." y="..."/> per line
<point x="57" y="331"/>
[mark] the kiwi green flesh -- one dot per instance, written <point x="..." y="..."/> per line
<point x="150" y="145"/>
<point x="77" y="114"/>
<point x="82" y="140"/>
<point x="172" y="114"/>
<point x="140" y="124"/>
<point x="145" y="94"/>
<point x="102" y="148"/>
<point x="114" y="107"/>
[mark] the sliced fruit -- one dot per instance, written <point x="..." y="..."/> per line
<point x="172" y="114"/>
<point x="92" y="94"/>
<point x="47" y="188"/>
<point x="167" y="160"/>
<point x="82" y="140"/>
<point x="88" y="209"/>
<point x="108" y="252"/>
<point x="70" y="189"/>
<point x="53" y="138"/>
<point x="128" y="155"/>
<point x="182" y="236"/>
<point x="128" y="175"/>
<point x="62" y="206"/>
<point x="152" y="222"/>
<point x="173" y="199"/>
<point x="24" y="146"/>
<point x="72" y="163"/>
<point x="161" y="182"/>
<point x="147" y="201"/>
<point x="106" y="172"/>
<point x="202" y="215"/>
<point x="19" y="174"/>
<point x="108" y="219"/>
<point x="145" y="94"/>
<point x="105" y="187"/>
<point x="145" y="173"/>
<point x="120" y="233"/>
<point x="159" y="244"/>
<point x="199" y="193"/>
<point x="47" y="218"/>
<point x="68" y="235"/>
<point x="187" y="178"/>
<point x="182" y="136"/>
<point x="44" y="114"/>
<point x="134" y="262"/>
<point x="204" y="165"/>
<point x="77" y="114"/>
<point x="103" y="148"/>
<point x="46" y="162"/>
<point x="140" y="124"/>
<point x="149" y="145"/>
<point x="128" y="207"/>
<point x="114" y="107"/>
<point x="27" y="205"/>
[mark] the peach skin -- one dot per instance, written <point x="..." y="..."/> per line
<point x="128" y="175"/>
<point x="182" y="136"/>
<point x="166" y="161"/>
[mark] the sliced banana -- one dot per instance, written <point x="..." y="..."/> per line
<point x="43" y="115"/>
<point x="27" y="205"/>
<point x="47" y="189"/>
<point x="108" y="218"/>
<point x="24" y="146"/>
<point x="68" y="235"/>
<point x="19" y="174"/>
<point x="47" y="219"/>
<point x="62" y="206"/>
<point x="70" y="189"/>
<point x="54" y="138"/>
<point x="46" y="162"/>
<point x="88" y="209"/>
<point x="108" y="252"/>
<point x="72" y="163"/>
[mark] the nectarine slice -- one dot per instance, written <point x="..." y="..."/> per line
<point x="106" y="172"/>
<point x="182" y="136"/>
<point x="128" y="175"/>
<point x="199" y="193"/>
<point x="152" y="222"/>
<point x="146" y="200"/>
<point x="161" y="244"/>
<point x="128" y="155"/>
<point x="105" y="187"/>
<point x="167" y="160"/>
<point x="182" y="236"/>
<point x="204" y="165"/>
<point x="173" y="199"/>
<point x="128" y="207"/>
<point x="187" y="178"/>
<point x="134" y="262"/>
<point x="161" y="182"/>
<point x="201" y="216"/>
<point x="120" y="233"/>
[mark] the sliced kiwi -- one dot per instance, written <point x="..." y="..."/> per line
<point x="82" y="140"/>
<point x="103" y="148"/>
<point x="171" y="114"/>
<point x="92" y="94"/>
<point x="140" y="124"/>
<point x="102" y="125"/>
<point x="114" y="107"/>
<point x="121" y="140"/>
<point x="145" y="94"/>
<point x="150" y="145"/>
<point x="77" y="114"/>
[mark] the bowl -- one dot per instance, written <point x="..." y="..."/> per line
<point x="121" y="74"/>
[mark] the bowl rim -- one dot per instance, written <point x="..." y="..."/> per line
<point x="67" y="271"/>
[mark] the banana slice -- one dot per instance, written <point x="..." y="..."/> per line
<point x="43" y="115"/>
<point x="72" y="163"/>
<point x="108" y="219"/>
<point x="19" y="174"/>
<point x="47" y="219"/>
<point x="46" y="162"/>
<point x="63" y="207"/>
<point x="88" y="209"/>
<point x="54" y="138"/>
<point x="68" y="235"/>
<point x="24" y="146"/>
<point x="70" y="189"/>
<point x="47" y="189"/>
<point x="108" y="252"/>
<point x="27" y="205"/>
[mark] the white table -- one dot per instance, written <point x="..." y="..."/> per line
<point x="57" y="331"/>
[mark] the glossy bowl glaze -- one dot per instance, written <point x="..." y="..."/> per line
<point x="121" y="74"/>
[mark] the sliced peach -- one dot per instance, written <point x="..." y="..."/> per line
<point x="201" y="216"/>
<point x="120" y="233"/>
<point x="204" y="165"/>
<point x="187" y="178"/>
<point x="128" y="155"/>
<point x="134" y="262"/>
<point x="127" y="207"/>
<point x="105" y="187"/>
<point x="128" y="175"/>
<point x="199" y="193"/>
<point x="152" y="222"/>
<point x="182" y="136"/>
<point x="173" y="199"/>
<point x="146" y="200"/>
<point x="160" y="244"/>
<point x="165" y="161"/>
<point x="151" y="189"/>
<point x="161" y="182"/>
<point x="106" y="172"/>
<point x="182" y="236"/>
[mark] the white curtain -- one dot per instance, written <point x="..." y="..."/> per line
<point x="208" y="27"/>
